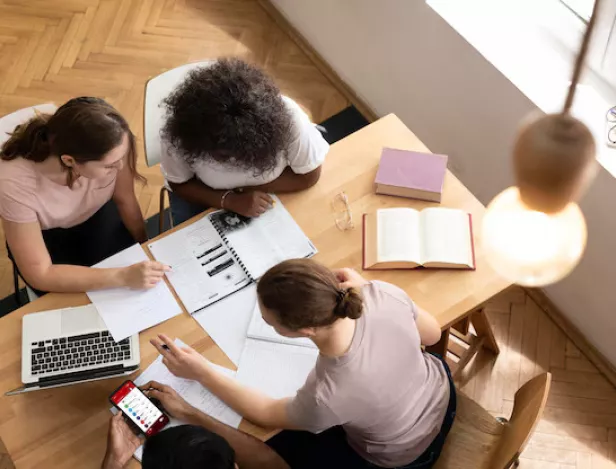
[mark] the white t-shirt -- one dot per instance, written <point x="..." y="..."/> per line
<point x="305" y="153"/>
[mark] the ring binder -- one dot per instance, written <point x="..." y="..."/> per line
<point x="220" y="230"/>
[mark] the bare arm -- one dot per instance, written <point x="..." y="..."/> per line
<point x="289" y="181"/>
<point x="251" y="404"/>
<point x="126" y="201"/>
<point x="32" y="257"/>
<point x="250" y="453"/>
<point x="428" y="327"/>
<point x="196" y="192"/>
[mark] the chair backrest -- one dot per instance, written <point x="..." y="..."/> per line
<point x="528" y="406"/>
<point x="157" y="89"/>
<point x="10" y="121"/>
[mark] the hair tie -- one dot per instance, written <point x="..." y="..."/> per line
<point x="342" y="295"/>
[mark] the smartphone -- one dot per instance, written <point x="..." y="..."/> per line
<point x="131" y="401"/>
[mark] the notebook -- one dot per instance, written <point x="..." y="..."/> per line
<point x="405" y="238"/>
<point x="224" y="252"/>
<point x="259" y="329"/>
<point x="411" y="174"/>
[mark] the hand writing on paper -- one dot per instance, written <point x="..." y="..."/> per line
<point x="173" y="403"/>
<point x="144" y="275"/>
<point x="349" y="278"/>
<point x="183" y="362"/>
<point x="121" y="443"/>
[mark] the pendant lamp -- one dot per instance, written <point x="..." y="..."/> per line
<point x="534" y="233"/>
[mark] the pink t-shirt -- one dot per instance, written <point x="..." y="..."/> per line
<point x="27" y="196"/>
<point x="388" y="395"/>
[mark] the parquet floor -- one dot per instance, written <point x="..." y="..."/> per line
<point x="51" y="50"/>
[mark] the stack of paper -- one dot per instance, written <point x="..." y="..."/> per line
<point x="127" y="312"/>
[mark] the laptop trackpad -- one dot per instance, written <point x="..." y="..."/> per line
<point x="77" y="321"/>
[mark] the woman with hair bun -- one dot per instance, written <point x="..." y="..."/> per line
<point x="374" y="398"/>
<point x="67" y="199"/>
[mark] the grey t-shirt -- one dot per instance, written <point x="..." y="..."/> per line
<point x="389" y="396"/>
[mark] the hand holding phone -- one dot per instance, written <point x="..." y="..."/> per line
<point x="139" y="409"/>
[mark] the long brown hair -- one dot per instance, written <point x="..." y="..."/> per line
<point x="85" y="128"/>
<point x="303" y="293"/>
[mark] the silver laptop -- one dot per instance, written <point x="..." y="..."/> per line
<point x="72" y="345"/>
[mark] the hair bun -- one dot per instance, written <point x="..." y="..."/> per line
<point x="348" y="304"/>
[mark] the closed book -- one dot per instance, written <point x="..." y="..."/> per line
<point x="411" y="174"/>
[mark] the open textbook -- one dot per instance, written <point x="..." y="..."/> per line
<point x="224" y="252"/>
<point x="405" y="238"/>
<point x="193" y="392"/>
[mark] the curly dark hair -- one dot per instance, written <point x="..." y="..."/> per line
<point x="230" y="112"/>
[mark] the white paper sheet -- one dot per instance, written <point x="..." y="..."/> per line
<point x="226" y="322"/>
<point x="261" y="330"/>
<point x="264" y="241"/>
<point x="195" y="394"/>
<point x="278" y="370"/>
<point x="203" y="267"/>
<point x="127" y="312"/>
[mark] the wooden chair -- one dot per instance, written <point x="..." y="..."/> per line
<point x="479" y="441"/>
<point x="156" y="90"/>
<point x="5" y="459"/>
<point x="7" y="126"/>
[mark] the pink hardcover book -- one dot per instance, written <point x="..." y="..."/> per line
<point x="411" y="174"/>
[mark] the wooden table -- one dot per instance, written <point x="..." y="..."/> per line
<point x="66" y="427"/>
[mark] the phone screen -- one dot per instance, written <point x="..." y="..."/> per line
<point x="139" y="409"/>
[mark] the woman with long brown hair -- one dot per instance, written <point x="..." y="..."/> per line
<point x="374" y="398"/>
<point x="67" y="199"/>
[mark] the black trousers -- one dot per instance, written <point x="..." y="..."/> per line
<point x="100" y="236"/>
<point x="330" y="449"/>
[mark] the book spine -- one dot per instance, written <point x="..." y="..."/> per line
<point x="237" y="258"/>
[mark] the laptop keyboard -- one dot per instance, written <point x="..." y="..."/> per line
<point x="78" y="352"/>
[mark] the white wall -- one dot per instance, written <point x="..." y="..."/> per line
<point x="399" y="56"/>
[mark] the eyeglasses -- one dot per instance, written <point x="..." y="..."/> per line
<point x="611" y="120"/>
<point x="342" y="211"/>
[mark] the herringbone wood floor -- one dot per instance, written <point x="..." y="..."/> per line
<point x="51" y="50"/>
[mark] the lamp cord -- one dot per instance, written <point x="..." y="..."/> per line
<point x="581" y="58"/>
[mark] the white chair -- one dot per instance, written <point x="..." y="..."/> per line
<point x="156" y="90"/>
<point x="7" y="125"/>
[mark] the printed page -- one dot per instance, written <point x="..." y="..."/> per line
<point x="226" y="321"/>
<point x="261" y="330"/>
<point x="203" y="269"/>
<point x="126" y="311"/>
<point x="398" y="235"/>
<point x="195" y="394"/>
<point x="264" y="241"/>
<point x="278" y="370"/>
<point x="446" y="236"/>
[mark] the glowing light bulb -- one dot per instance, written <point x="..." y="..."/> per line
<point x="531" y="248"/>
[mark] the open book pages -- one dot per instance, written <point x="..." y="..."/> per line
<point x="204" y="270"/>
<point x="404" y="238"/>
<point x="264" y="241"/>
<point x="261" y="330"/>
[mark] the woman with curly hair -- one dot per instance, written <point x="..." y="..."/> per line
<point x="67" y="199"/>
<point x="230" y="138"/>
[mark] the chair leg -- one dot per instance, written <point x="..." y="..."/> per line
<point x="161" y="211"/>
<point x="16" y="285"/>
